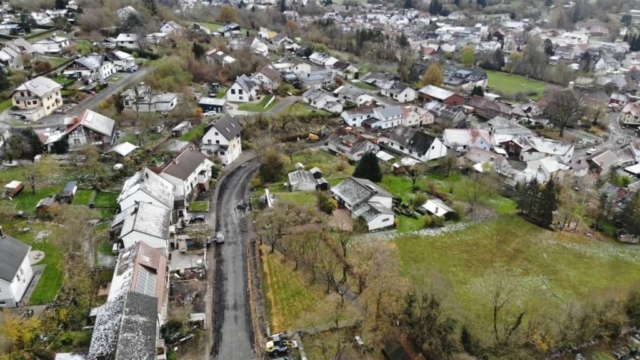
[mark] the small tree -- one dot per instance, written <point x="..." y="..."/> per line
<point x="61" y="146"/>
<point x="433" y="76"/>
<point x="564" y="109"/>
<point x="467" y="56"/>
<point x="228" y="14"/>
<point x="418" y="200"/>
<point x="548" y="47"/>
<point x="368" y="168"/>
<point x="198" y="50"/>
<point x="272" y="166"/>
<point x="478" y="91"/>
<point x="325" y="203"/>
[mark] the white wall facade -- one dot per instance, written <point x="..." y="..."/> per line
<point x="12" y="293"/>
<point x="237" y="94"/>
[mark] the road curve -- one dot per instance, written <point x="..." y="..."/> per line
<point x="232" y="326"/>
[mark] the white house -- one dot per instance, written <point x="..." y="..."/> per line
<point x="630" y="114"/>
<point x="243" y="90"/>
<point x="128" y="41"/>
<point x="415" y="143"/>
<point x="223" y="140"/>
<point x="141" y="99"/>
<point x="301" y="180"/>
<point x="322" y="59"/>
<point x="216" y="56"/>
<point x="124" y="13"/>
<point x="93" y="67"/>
<point x="416" y="116"/>
<point x="384" y="117"/>
<point x="171" y="27"/>
<point x="259" y="48"/>
<point x="350" y="144"/>
<point x="534" y="148"/>
<point x="322" y="100"/>
<point x="268" y="77"/>
<point x="464" y="139"/>
<point x="51" y="45"/>
<point x="188" y="172"/>
<point x="11" y="55"/>
<point x="91" y="128"/>
<point x="355" y="117"/>
<point x="15" y="270"/>
<point x="143" y="222"/>
<point x="365" y="199"/>
<point x="148" y="187"/>
<point x="399" y="92"/>
<point x="121" y="59"/>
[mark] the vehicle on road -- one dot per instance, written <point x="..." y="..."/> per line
<point x="591" y="151"/>
<point x="219" y="238"/>
<point x="279" y="344"/>
<point x="198" y="219"/>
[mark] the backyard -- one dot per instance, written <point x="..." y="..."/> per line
<point x="106" y="200"/>
<point x="195" y="132"/>
<point x="511" y="84"/>
<point x="259" y="106"/>
<point x="300" y="109"/>
<point x="363" y="85"/>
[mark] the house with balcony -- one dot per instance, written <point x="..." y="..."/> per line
<point x="52" y="45"/>
<point x="90" y="128"/>
<point x="189" y="172"/>
<point x="223" y="140"/>
<point x="91" y="68"/>
<point x="127" y="41"/>
<point x="121" y="60"/>
<point x="15" y="270"/>
<point x="37" y="98"/>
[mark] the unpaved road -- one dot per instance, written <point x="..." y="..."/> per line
<point x="232" y="327"/>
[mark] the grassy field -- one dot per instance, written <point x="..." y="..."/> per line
<point x="195" y="132"/>
<point x="303" y="198"/>
<point x="333" y="167"/>
<point x="210" y="26"/>
<point x="549" y="268"/>
<point x="27" y="201"/>
<point x="300" y="109"/>
<point x="258" y="107"/>
<point x="288" y="297"/>
<point x="54" y="61"/>
<point x="511" y="84"/>
<point x="363" y="85"/>
<point x="4" y="105"/>
<point x="407" y="224"/>
<point x="35" y="37"/>
<point x="106" y="200"/>
<point x="83" y="197"/>
<point x="199" y="206"/>
<point x="83" y="46"/>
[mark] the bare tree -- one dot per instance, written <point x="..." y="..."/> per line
<point x="415" y="172"/>
<point x="564" y="109"/>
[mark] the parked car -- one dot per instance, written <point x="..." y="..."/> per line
<point x="591" y="151"/>
<point x="198" y="219"/>
<point x="219" y="238"/>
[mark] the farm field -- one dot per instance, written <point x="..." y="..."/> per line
<point x="512" y="84"/>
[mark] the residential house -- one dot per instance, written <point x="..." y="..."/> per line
<point x="302" y="180"/>
<point x="618" y="99"/>
<point x="231" y="29"/>
<point x="243" y="90"/>
<point x="353" y="94"/>
<point x="145" y="186"/>
<point x="630" y="115"/>
<point x="141" y="99"/>
<point x="90" y="68"/>
<point x="464" y="79"/>
<point x="323" y="59"/>
<point x="322" y="100"/>
<point x="416" y="116"/>
<point x="355" y="117"/>
<point x="15" y="270"/>
<point x="293" y="64"/>
<point x="534" y="147"/>
<point x="142" y="269"/>
<point x="142" y="222"/>
<point x="434" y="93"/>
<point x="399" y="91"/>
<point x="52" y="45"/>
<point x="543" y="169"/>
<point x="365" y="199"/>
<point x="379" y="79"/>
<point x="223" y="140"/>
<point x="488" y="109"/>
<point x="12" y="29"/>
<point x="482" y="160"/>
<point x="126" y="328"/>
<point x="317" y="79"/>
<point x="198" y="28"/>
<point x="267" y="78"/>
<point x="345" y="70"/>
<point x="259" y="48"/>
<point x="607" y="64"/>
<point x="91" y="128"/>
<point x="216" y="56"/>
<point x="171" y="27"/>
<point x="384" y="117"/>
<point x="124" y="13"/>
<point x="350" y="144"/>
<point x="121" y="60"/>
<point x="462" y="140"/>
<point x="13" y="52"/>
<point x="602" y="161"/>
<point x="128" y="41"/>
<point x="189" y="172"/>
<point x="437" y="207"/>
<point x="417" y="144"/>
<point x="212" y="105"/>
<point x="37" y="98"/>
<point x="448" y="116"/>
<point x="68" y="192"/>
<point x="41" y="18"/>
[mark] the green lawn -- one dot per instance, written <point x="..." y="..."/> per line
<point x="511" y="84"/>
<point x="27" y="201"/>
<point x="288" y="297"/>
<point x="260" y="106"/>
<point x="83" y="197"/>
<point x="199" y="206"/>
<point x="115" y="78"/>
<point x="195" y="132"/>
<point x="54" y="61"/>
<point x="106" y="200"/>
<point x="304" y="198"/>
<point x="37" y="36"/>
<point x="221" y="93"/>
<point x="549" y="268"/>
<point x="407" y="224"/>
<point x="4" y="105"/>
<point x="83" y="46"/>
<point x="300" y="109"/>
<point x="332" y="167"/>
<point x="363" y="85"/>
<point x="210" y="26"/>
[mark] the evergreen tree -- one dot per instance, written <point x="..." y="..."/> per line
<point x="35" y="145"/>
<point x="625" y="38"/>
<point x="403" y="41"/>
<point x="629" y="215"/>
<point x="626" y="19"/>
<point x="408" y="4"/>
<point x="477" y="90"/>
<point x="4" y="81"/>
<point x="457" y="2"/>
<point x="152" y="6"/>
<point x="548" y="47"/>
<point x="283" y="6"/>
<point x="435" y="8"/>
<point x="25" y="23"/>
<point x="548" y="3"/>
<point x="482" y="3"/>
<point x="198" y="50"/>
<point x="547" y="204"/>
<point x="368" y="168"/>
<point x="61" y="4"/>
<point x="61" y="146"/>
<point x="498" y="56"/>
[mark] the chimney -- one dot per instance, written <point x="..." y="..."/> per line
<point x="1" y="233"/>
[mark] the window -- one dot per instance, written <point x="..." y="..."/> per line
<point x="217" y="141"/>
<point x="241" y="98"/>
<point x="233" y="91"/>
<point x="217" y="133"/>
<point x="21" y="271"/>
<point x="386" y="219"/>
<point x="18" y="277"/>
<point x="2" y="303"/>
<point x="240" y="91"/>
<point x="402" y="148"/>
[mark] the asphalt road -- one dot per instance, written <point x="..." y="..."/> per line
<point x="126" y="80"/>
<point x="616" y="133"/>
<point x="232" y="327"/>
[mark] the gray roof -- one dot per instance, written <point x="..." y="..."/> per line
<point x="245" y="83"/>
<point x="228" y="127"/>
<point x="436" y="92"/>
<point x="96" y="122"/>
<point x="355" y="191"/>
<point x="69" y="188"/>
<point x="40" y="86"/>
<point x="301" y="176"/>
<point x="388" y="112"/>
<point x="371" y="210"/>
<point x="92" y="61"/>
<point x="144" y="218"/>
<point x="412" y="139"/>
<point x="12" y="254"/>
<point x="126" y="329"/>
<point x="185" y="164"/>
<point x="150" y="183"/>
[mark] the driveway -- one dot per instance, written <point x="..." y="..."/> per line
<point x="232" y="326"/>
<point x="126" y="80"/>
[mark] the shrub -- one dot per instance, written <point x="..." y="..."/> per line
<point x="324" y="203"/>
<point x="256" y="182"/>
<point x="418" y="200"/>
<point x="41" y="66"/>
